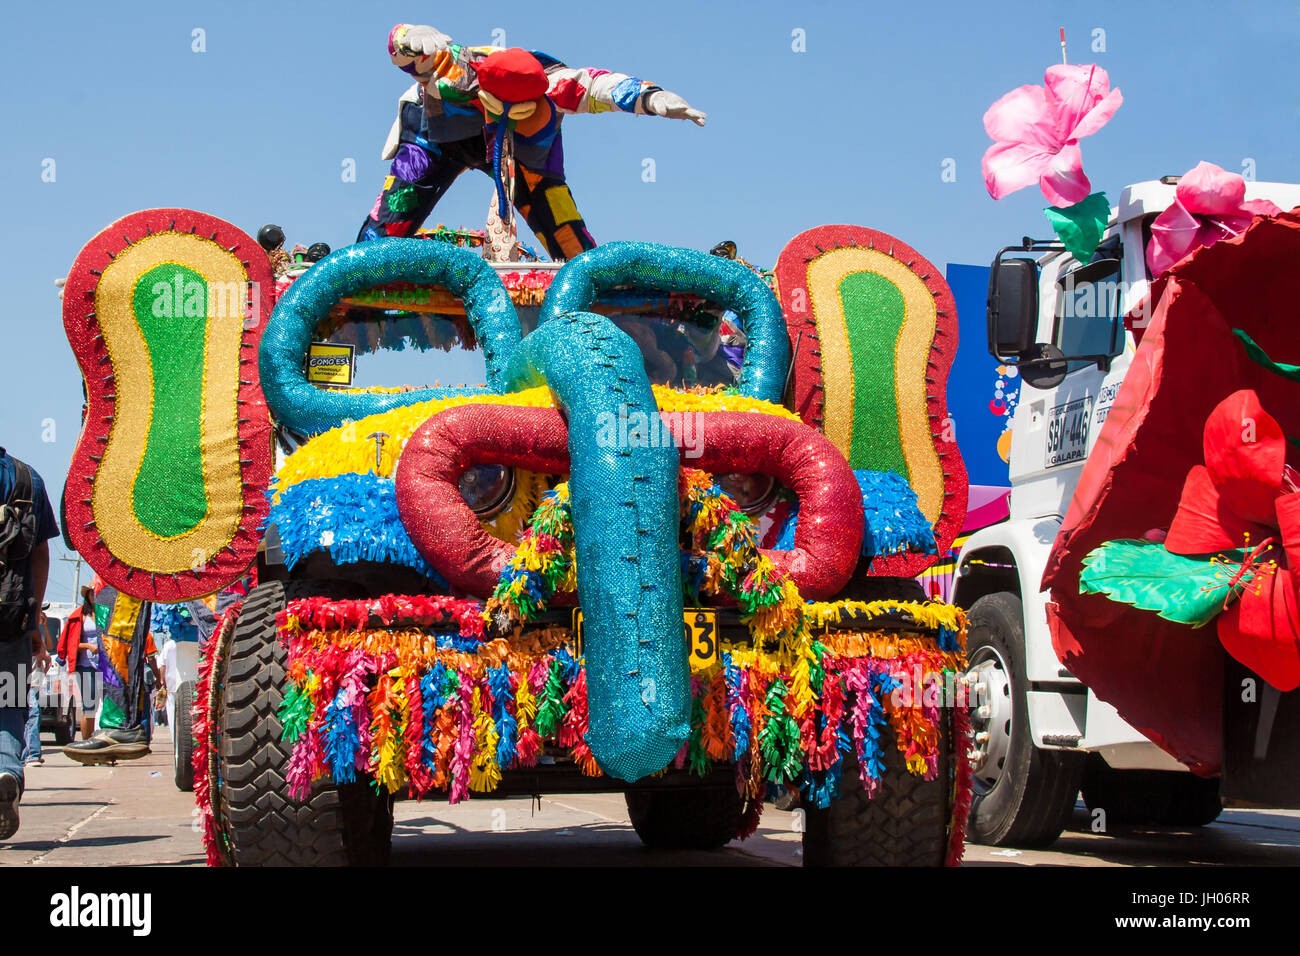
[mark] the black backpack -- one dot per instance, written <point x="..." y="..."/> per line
<point x="17" y="538"/>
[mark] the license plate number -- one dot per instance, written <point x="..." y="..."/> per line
<point x="1067" y="432"/>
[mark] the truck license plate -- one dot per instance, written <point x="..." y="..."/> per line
<point x="700" y="626"/>
<point x="1067" y="432"/>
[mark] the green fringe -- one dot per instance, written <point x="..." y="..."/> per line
<point x="551" y="708"/>
<point x="295" y="712"/>
<point x="700" y="763"/>
<point x="779" y="739"/>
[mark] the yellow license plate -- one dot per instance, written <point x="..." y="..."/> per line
<point x="699" y="626"/>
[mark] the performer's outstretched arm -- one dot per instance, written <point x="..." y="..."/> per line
<point x="588" y="90"/>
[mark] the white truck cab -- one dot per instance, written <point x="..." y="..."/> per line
<point x="1036" y="724"/>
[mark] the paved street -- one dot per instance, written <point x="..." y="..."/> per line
<point x="132" y="814"/>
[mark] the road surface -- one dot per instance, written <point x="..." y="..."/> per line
<point x="132" y="814"/>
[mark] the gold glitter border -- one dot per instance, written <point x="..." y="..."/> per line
<point x="112" y="502"/>
<point x="823" y="278"/>
<point x="920" y="320"/>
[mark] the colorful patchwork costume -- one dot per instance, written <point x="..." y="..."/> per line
<point x="452" y="119"/>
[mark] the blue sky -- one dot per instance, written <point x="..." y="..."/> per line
<point x="855" y="129"/>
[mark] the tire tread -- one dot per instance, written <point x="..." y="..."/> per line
<point x="334" y="826"/>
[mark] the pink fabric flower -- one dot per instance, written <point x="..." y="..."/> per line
<point x="1036" y="132"/>
<point x="1209" y="205"/>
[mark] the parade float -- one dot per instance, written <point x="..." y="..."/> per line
<point x="667" y="548"/>
<point x="590" y="610"/>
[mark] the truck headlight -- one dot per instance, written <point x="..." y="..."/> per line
<point x="752" y="494"/>
<point x="487" y="489"/>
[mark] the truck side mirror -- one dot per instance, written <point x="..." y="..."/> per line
<point x="1012" y="307"/>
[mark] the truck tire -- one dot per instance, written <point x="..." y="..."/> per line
<point x="65" y="727"/>
<point x="904" y="824"/>
<point x="686" y="818"/>
<point x="183" y="739"/>
<point x="1150" y="797"/>
<point x="1023" y="795"/>
<point x="337" y="825"/>
<point x="1196" y="803"/>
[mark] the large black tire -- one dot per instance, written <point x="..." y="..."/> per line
<point x="1150" y="797"/>
<point x="336" y="825"/>
<point x="183" y="739"/>
<point x="687" y="818"/>
<point x="1032" y="792"/>
<point x="904" y="824"/>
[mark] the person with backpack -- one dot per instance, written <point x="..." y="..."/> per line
<point x="26" y="526"/>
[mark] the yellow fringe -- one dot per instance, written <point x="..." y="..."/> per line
<point x="484" y="773"/>
<point x="932" y="614"/>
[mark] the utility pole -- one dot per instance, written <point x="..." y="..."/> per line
<point x="76" y="588"/>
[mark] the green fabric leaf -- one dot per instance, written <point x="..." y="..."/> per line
<point x="1260" y="357"/>
<point x="1146" y="575"/>
<point x="1079" y="227"/>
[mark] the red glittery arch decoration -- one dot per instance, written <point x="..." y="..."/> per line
<point x="807" y="387"/>
<point x="828" y="538"/>
<point x="102" y="404"/>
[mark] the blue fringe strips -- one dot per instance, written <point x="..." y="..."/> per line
<point x="893" y="522"/>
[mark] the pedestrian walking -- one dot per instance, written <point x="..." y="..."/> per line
<point x="26" y="526"/>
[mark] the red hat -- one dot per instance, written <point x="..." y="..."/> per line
<point x="512" y="76"/>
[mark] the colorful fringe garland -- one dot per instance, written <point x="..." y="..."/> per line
<point x="413" y="691"/>
<point x="423" y="693"/>
<point x="432" y="693"/>
<point x="723" y="561"/>
<point x="542" y="565"/>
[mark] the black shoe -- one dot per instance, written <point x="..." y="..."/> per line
<point x="125" y="735"/>
<point x="9" y="794"/>
<point x="110" y="743"/>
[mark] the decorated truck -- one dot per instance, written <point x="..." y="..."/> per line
<point x="1136" y="328"/>
<point x="1088" y="606"/>
<point x="668" y="548"/>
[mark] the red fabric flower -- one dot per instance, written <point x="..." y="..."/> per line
<point x="1245" y="496"/>
<point x="1209" y="204"/>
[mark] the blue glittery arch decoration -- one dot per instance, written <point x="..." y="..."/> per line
<point x="311" y="410"/>
<point x="649" y="265"/>
<point x="625" y="521"/>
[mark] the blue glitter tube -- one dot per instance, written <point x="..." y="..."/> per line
<point x="648" y="265"/>
<point x="311" y="410"/>
<point x="625" y="520"/>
